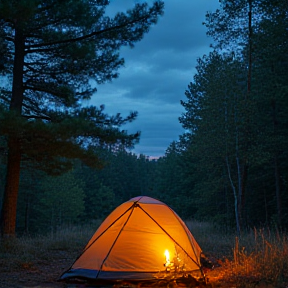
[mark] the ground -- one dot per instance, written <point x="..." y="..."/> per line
<point x="39" y="273"/>
<point x="44" y="272"/>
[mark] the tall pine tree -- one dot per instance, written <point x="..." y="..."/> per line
<point x="51" y="51"/>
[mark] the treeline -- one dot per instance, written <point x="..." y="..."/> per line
<point x="84" y="194"/>
<point x="81" y="195"/>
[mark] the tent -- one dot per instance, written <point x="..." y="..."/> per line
<point x="142" y="239"/>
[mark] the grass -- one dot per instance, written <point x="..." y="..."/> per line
<point x="25" y="250"/>
<point x="263" y="256"/>
<point x="257" y="259"/>
<point x="213" y="241"/>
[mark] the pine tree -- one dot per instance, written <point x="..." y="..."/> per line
<point x="52" y="52"/>
<point x="236" y="106"/>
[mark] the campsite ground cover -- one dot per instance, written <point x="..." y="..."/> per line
<point x="258" y="260"/>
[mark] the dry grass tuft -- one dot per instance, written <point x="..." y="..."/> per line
<point x="261" y="256"/>
<point x="257" y="259"/>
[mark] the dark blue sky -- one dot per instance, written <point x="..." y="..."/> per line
<point x="157" y="72"/>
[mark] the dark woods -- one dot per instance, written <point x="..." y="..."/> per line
<point x="84" y="194"/>
<point x="230" y="167"/>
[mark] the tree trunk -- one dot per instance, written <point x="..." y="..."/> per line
<point x="9" y="208"/>
<point x="277" y="191"/>
<point x="244" y="176"/>
<point x="242" y="208"/>
<point x="27" y="213"/>
<point x="236" y="205"/>
<point x="276" y="165"/>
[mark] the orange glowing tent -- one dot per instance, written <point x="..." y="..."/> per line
<point x="142" y="239"/>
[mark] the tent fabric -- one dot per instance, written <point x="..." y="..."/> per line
<point x="131" y="242"/>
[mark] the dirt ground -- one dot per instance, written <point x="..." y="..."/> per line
<point x="37" y="273"/>
<point x="44" y="273"/>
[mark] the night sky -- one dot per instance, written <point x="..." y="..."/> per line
<point x="157" y="72"/>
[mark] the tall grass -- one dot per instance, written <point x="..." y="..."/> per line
<point x="258" y="256"/>
<point x="261" y="255"/>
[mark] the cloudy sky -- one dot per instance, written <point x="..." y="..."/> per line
<point x="157" y="72"/>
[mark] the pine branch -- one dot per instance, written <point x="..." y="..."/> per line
<point x="37" y="117"/>
<point x="72" y="40"/>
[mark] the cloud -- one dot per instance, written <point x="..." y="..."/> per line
<point x="157" y="72"/>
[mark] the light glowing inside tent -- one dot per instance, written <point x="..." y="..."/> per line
<point x="167" y="257"/>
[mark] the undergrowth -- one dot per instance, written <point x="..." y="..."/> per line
<point x="258" y="258"/>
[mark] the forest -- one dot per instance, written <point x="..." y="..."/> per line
<point x="63" y="164"/>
